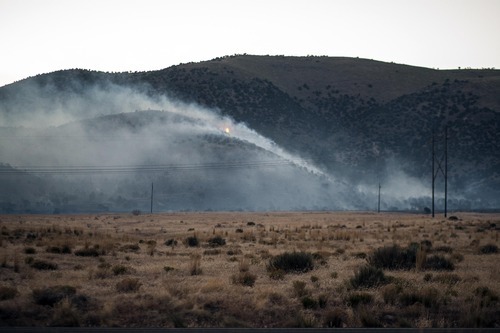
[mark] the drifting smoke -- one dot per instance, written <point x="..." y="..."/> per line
<point x="102" y="148"/>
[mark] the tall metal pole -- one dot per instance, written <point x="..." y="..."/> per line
<point x="378" y="207"/>
<point x="445" y="170"/>
<point x="151" y="198"/>
<point x="433" y="157"/>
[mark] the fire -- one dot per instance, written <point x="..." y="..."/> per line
<point x="227" y="130"/>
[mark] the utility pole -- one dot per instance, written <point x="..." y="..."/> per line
<point x="445" y="170"/>
<point x="151" y="198"/>
<point x="378" y="207"/>
<point x="433" y="177"/>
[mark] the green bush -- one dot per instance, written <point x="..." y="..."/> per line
<point x="52" y="295"/>
<point x="292" y="262"/>
<point x="368" y="277"/>
<point x="394" y="257"/>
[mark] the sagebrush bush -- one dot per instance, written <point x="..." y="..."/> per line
<point x="368" y="277"/>
<point x="356" y="299"/>
<point x="299" y="288"/>
<point x="216" y="241"/>
<point x="488" y="249"/>
<point x="429" y="297"/>
<point x="44" y="265"/>
<point x="7" y="293"/>
<point x="192" y="241"/>
<point x="87" y="252"/>
<point x="394" y="257"/>
<point x="52" y="295"/>
<point x="244" y="278"/>
<point x="309" y="302"/>
<point x="336" y="317"/>
<point x="438" y="263"/>
<point x="292" y="262"/>
<point x="119" y="269"/>
<point x="128" y="285"/>
<point x="30" y="250"/>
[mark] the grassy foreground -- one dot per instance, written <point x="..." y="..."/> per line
<point x="299" y="269"/>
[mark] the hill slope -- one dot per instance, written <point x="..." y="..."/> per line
<point x="362" y="121"/>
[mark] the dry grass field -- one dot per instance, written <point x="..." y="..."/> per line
<point x="297" y="269"/>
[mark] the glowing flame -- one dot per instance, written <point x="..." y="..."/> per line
<point x="227" y="130"/>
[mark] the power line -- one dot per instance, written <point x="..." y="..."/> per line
<point x="88" y="169"/>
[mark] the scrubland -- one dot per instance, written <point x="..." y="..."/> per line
<point x="282" y="269"/>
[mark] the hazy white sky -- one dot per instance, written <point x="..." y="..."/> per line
<point x="120" y="35"/>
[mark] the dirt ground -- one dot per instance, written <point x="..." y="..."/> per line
<point x="214" y="269"/>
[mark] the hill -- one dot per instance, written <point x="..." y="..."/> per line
<point x="361" y="121"/>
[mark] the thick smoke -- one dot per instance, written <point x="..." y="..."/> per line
<point x="104" y="147"/>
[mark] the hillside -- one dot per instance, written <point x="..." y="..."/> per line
<point x="362" y="121"/>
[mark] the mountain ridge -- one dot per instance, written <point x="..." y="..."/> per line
<point x="358" y="118"/>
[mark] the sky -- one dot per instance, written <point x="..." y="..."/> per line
<point x="127" y="35"/>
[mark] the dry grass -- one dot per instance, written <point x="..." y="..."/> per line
<point x="140" y="270"/>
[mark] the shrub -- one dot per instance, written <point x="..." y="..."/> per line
<point x="297" y="262"/>
<point x="171" y="242"/>
<point x="119" y="269"/>
<point x="368" y="277"/>
<point x="299" y="288"/>
<point x="30" y="250"/>
<point x="359" y="298"/>
<point x="216" y="241"/>
<point x="212" y="252"/>
<point x="136" y="212"/>
<point x="245" y="279"/>
<point x="44" y="265"/>
<point x="52" y="295"/>
<point x="128" y="285"/>
<point x="335" y="318"/>
<point x="488" y="297"/>
<point x="192" y="241"/>
<point x="195" y="268"/>
<point x="428" y="297"/>
<point x="447" y="278"/>
<point x="438" y="263"/>
<point x="64" y="249"/>
<point x="87" y="252"/>
<point x="309" y="303"/>
<point x="488" y="249"/>
<point x="168" y="268"/>
<point x="7" y="293"/>
<point x="130" y="248"/>
<point x="393" y="257"/>
<point x="443" y="248"/>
